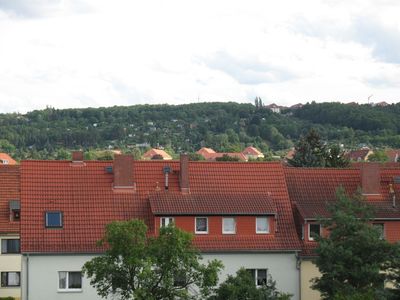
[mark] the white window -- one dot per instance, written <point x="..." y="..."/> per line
<point x="259" y="276"/>
<point x="10" y="246"/>
<point x="165" y="221"/>
<point x="262" y="225"/>
<point x="201" y="225"/>
<point x="69" y="281"/>
<point x="314" y="230"/>
<point x="10" y="279"/>
<point x="228" y="225"/>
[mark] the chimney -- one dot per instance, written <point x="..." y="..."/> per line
<point x="77" y="156"/>
<point x="184" y="174"/>
<point x="123" y="172"/>
<point x="371" y="180"/>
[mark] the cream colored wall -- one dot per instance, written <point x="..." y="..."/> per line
<point x="10" y="263"/>
<point x="308" y="270"/>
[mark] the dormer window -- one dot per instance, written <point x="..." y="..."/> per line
<point x="15" y="210"/>
<point x="314" y="230"/>
<point x="165" y="221"/>
<point x="201" y="225"/>
<point x="54" y="219"/>
<point x="228" y="225"/>
<point x="262" y="225"/>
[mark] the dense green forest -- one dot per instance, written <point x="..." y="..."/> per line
<point x="226" y="127"/>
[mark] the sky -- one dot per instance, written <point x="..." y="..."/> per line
<point x="92" y="53"/>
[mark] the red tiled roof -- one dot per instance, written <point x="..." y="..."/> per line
<point x="205" y="150"/>
<point x="357" y="155"/>
<point x="152" y="152"/>
<point x="176" y="203"/>
<point x="9" y="190"/>
<point x="313" y="189"/>
<point x="251" y="151"/>
<point x="86" y="197"/>
<point x="4" y="157"/>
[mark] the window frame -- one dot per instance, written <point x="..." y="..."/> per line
<point x="267" y="222"/>
<point x="171" y="220"/>
<point x="195" y="225"/>
<point x="13" y="239"/>
<point x="52" y="212"/>
<point x="254" y="273"/>
<point x="7" y="284"/>
<point x="310" y="238"/>
<point x="234" y="225"/>
<point x="67" y="289"/>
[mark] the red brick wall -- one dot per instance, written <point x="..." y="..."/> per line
<point x="392" y="231"/>
<point x="245" y="225"/>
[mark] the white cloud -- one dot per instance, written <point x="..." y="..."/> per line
<point x="81" y="53"/>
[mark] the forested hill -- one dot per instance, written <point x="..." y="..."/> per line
<point x="222" y="126"/>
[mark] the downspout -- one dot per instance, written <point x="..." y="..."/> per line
<point x="27" y="277"/>
<point x="298" y="266"/>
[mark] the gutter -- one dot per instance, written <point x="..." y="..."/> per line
<point x="27" y="277"/>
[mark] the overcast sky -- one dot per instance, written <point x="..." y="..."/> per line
<point x="84" y="53"/>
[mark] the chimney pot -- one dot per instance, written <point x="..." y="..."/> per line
<point x="184" y="174"/>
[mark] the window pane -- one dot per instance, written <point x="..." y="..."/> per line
<point x="262" y="225"/>
<point x="62" y="280"/>
<point x="228" y="224"/>
<point x="261" y="277"/>
<point x="3" y="278"/>
<point x="201" y="224"/>
<point x="314" y="230"/>
<point x="166" y="221"/>
<point x="74" y="280"/>
<point x="10" y="246"/>
<point x="53" y="219"/>
<point x="13" y="278"/>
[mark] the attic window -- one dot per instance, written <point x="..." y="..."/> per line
<point x="54" y="219"/>
<point x="15" y="210"/>
<point x="314" y="230"/>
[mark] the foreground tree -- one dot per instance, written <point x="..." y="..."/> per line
<point x="136" y="266"/>
<point x="353" y="259"/>
<point x="243" y="287"/>
<point x="335" y="158"/>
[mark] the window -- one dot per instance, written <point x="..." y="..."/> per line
<point x="262" y="225"/>
<point x="10" y="279"/>
<point x="201" y="225"/>
<point x="259" y="276"/>
<point x="54" y="219"/>
<point x="166" y="221"/>
<point x="381" y="229"/>
<point x="15" y="215"/>
<point x="15" y="210"/>
<point x="228" y="225"/>
<point x="313" y="231"/>
<point x="10" y="246"/>
<point x="69" y="280"/>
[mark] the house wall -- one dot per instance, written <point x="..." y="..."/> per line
<point x="10" y="263"/>
<point x="308" y="270"/>
<point x="245" y="225"/>
<point x="42" y="281"/>
<point x="281" y="266"/>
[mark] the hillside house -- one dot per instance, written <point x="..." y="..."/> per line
<point x="6" y="159"/>
<point x="156" y="154"/>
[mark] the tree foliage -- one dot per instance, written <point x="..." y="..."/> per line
<point x="378" y="156"/>
<point x="353" y="258"/>
<point x="136" y="266"/>
<point x="242" y="286"/>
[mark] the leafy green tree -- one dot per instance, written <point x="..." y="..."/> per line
<point x="226" y="157"/>
<point x="136" y="266"/>
<point x="378" y="156"/>
<point x="352" y="257"/>
<point x="335" y="158"/>
<point x="242" y="286"/>
<point x="6" y="146"/>
<point x="195" y="156"/>
<point x="309" y="151"/>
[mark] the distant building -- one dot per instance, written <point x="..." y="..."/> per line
<point x="359" y="155"/>
<point x="6" y="159"/>
<point x="297" y="106"/>
<point x="381" y="104"/>
<point x="211" y="155"/>
<point x="274" y="107"/>
<point x="156" y="154"/>
<point x="252" y="153"/>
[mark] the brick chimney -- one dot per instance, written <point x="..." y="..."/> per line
<point x="371" y="180"/>
<point x="77" y="156"/>
<point x="184" y="174"/>
<point x="123" y="172"/>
